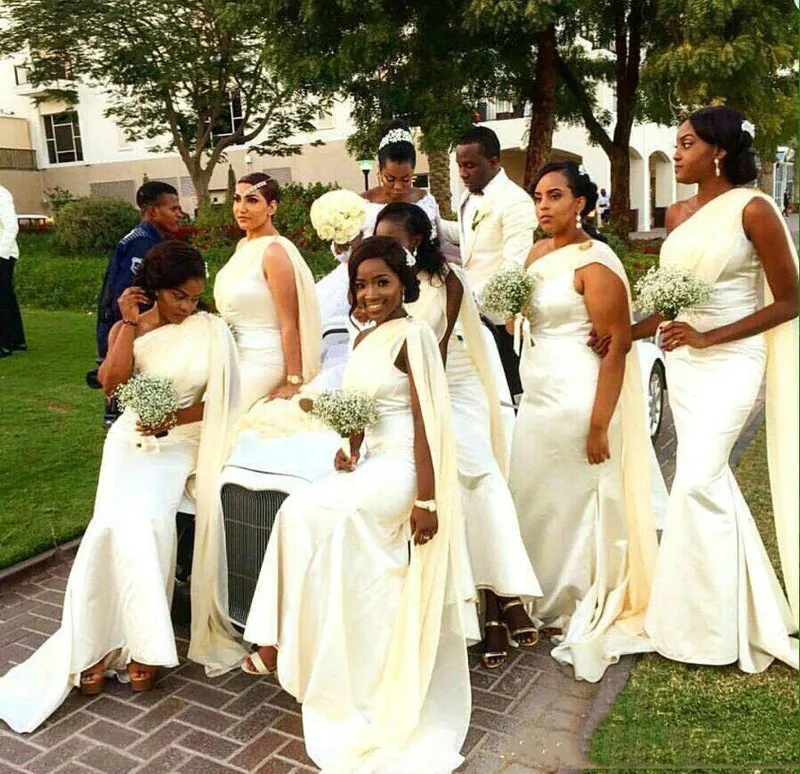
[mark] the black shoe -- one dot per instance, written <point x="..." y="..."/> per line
<point x="4" y="352"/>
<point x="20" y="347"/>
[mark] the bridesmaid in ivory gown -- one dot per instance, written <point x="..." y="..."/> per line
<point x="116" y="615"/>
<point x="580" y="471"/>
<point x="359" y="604"/>
<point x="716" y="598"/>
<point x="500" y="564"/>
<point x="266" y="293"/>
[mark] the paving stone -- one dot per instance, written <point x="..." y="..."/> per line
<point x="572" y="705"/>
<point x="255" y="723"/>
<point x="50" y="761"/>
<point x="160" y="714"/>
<point x="106" y="707"/>
<point x="276" y="766"/>
<point x="111" y="734"/>
<point x="167" y="762"/>
<point x="65" y="728"/>
<point x="159" y="738"/>
<point x="239" y="683"/>
<point x="203" y="694"/>
<point x="13" y="750"/>
<point x="192" y="671"/>
<point x="290" y="724"/>
<point x="15" y="653"/>
<point x="286" y="702"/>
<point x="259" y="749"/>
<point x="553" y="720"/>
<point x="490" y="701"/>
<point x="205" y="718"/>
<point x="107" y="760"/>
<point x="73" y="767"/>
<point x="516" y="681"/>
<point x="482" y="764"/>
<point x="199" y="765"/>
<point x="37" y="623"/>
<point x="296" y="751"/>
<point x="474" y="738"/>
<point x="32" y="640"/>
<point x="44" y="610"/>
<point x="491" y="721"/>
<point x="259" y="693"/>
<point x="53" y="597"/>
<point x="208" y="744"/>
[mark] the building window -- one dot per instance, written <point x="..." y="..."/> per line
<point x="21" y="75"/>
<point x="231" y="119"/>
<point x="63" y="135"/>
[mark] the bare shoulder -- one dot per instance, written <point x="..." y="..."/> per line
<point x="678" y="212"/>
<point x="759" y="211"/>
<point x="539" y="250"/>
<point x="373" y="195"/>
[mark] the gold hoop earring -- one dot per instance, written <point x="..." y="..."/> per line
<point x="716" y="167"/>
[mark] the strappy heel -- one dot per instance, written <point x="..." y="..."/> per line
<point x="494" y="659"/>
<point x="518" y="634"/>
<point x="256" y="665"/>
<point x="93" y="680"/>
<point x="145" y="679"/>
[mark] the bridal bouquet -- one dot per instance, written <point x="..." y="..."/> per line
<point x="346" y="412"/>
<point x="153" y="398"/>
<point x="338" y="216"/>
<point x="508" y="293"/>
<point x="668" y="290"/>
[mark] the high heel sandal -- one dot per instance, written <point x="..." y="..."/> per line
<point x="93" y="680"/>
<point x="142" y="677"/>
<point x="256" y="665"/>
<point x="494" y="659"/>
<point x="517" y="634"/>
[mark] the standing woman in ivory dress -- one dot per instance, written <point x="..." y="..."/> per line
<point x="716" y="598"/>
<point x="397" y="159"/>
<point x="116" y="613"/>
<point x="265" y="292"/>
<point x="359" y="603"/>
<point x="580" y="470"/>
<point x="500" y="564"/>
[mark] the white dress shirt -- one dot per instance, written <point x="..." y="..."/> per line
<point x="8" y="226"/>
<point x="470" y="205"/>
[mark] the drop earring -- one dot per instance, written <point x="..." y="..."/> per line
<point x="716" y="167"/>
<point x="577" y="220"/>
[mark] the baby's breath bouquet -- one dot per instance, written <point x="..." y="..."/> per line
<point x="154" y="399"/>
<point x="338" y="216"/>
<point x="346" y="412"/>
<point x="668" y="290"/>
<point x="508" y="293"/>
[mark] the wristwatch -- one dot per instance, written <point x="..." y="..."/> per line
<point x="426" y="505"/>
<point x="294" y="379"/>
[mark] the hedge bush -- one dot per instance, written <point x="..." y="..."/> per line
<point x="93" y="224"/>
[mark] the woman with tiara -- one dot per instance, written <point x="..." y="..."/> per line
<point x="716" y="598"/>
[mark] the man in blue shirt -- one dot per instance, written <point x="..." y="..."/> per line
<point x="161" y="217"/>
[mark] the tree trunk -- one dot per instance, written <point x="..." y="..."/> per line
<point x="439" y="179"/>
<point x="766" y="175"/>
<point x="201" y="178"/>
<point x="543" y="105"/>
<point x="621" y="190"/>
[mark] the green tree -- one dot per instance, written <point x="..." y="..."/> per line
<point x="198" y="77"/>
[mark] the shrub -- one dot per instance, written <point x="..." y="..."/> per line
<point x="94" y="224"/>
<point x="292" y="218"/>
<point x="214" y="227"/>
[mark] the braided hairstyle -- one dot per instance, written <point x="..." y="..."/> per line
<point x="722" y="126"/>
<point x="580" y="184"/>
<point x="415" y="222"/>
<point x="390" y="251"/>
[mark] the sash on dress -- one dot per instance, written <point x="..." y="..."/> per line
<point x="689" y="247"/>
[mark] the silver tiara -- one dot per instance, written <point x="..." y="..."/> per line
<point x="395" y="135"/>
<point x="747" y="126"/>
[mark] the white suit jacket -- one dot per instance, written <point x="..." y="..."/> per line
<point x="504" y="222"/>
<point x="8" y="226"/>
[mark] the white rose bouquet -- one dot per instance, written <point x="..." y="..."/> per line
<point x="154" y="399"/>
<point x="338" y="216"/>
<point x="346" y="412"/>
<point x="668" y="290"/>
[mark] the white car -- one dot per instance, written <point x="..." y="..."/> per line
<point x="260" y="474"/>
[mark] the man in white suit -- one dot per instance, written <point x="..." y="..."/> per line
<point x="496" y="221"/>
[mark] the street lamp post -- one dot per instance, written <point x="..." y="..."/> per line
<point x="366" y="165"/>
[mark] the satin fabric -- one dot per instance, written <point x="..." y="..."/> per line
<point x="117" y="600"/>
<point x="245" y="301"/>
<point x="588" y="528"/>
<point x="496" y="552"/>
<point x="369" y="627"/>
<point x="716" y="598"/>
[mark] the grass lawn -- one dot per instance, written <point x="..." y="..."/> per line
<point x="668" y="716"/>
<point x="52" y="437"/>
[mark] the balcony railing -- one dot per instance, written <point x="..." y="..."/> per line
<point x="17" y="158"/>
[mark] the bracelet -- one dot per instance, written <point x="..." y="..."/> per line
<point x="426" y="505"/>
<point x="129" y="322"/>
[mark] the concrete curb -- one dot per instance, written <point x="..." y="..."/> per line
<point x="39" y="562"/>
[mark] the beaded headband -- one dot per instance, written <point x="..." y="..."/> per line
<point x="253" y="188"/>
<point x="396" y="135"/>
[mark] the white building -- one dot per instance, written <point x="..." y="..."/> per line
<point x="77" y="148"/>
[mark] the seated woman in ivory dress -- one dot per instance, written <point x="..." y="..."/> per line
<point x="359" y="605"/>
<point x="265" y="292"/>
<point x="716" y="598"/>
<point x="580" y="472"/>
<point x="116" y="614"/>
<point x="500" y="564"/>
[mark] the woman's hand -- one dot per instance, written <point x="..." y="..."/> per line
<point x="130" y="301"/>
<point x="597" y="448"/>
<point x="345" y="463"/>
<point x="424" y="525"/>
<point x="167" y="425"/>
<point x="284" y="392"/>
<point x="510" y="326"/>
<point x="678" y="334"/>
<point x="599" y="344"/>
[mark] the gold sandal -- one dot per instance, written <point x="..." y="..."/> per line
<point x="522" y="630"/>
<point x="145" y="679"/>
<point x="502" y="655"/>
<point x="93" y="680"/>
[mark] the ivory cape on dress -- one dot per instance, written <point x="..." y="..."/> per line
<point x="497" y="554"/>
<point x="117" y="600"/>
<point x="369" y="627"/>
<point x="245" y="301"/>
<point x="716" y="598"/>
<point x="588" y="528"/>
